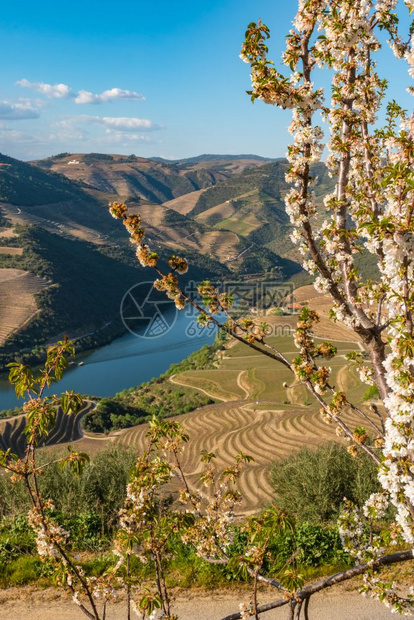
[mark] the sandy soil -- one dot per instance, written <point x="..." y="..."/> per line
<point x="340" y="604"/>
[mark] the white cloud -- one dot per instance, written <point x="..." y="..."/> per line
<point x="65" y="135"/>
<point x="18" y="111"/>
<point x="117" y="123"/>
<point x="7" y="134"/>
<point x="119" y="136"/>
<point x="63" y="91"/>
<point x="55" y="91"/>
<point x="125" y="123"/>
<point x="67" y="131"/>
<point x="22" y="144"/>
<point x="113" y="94"/>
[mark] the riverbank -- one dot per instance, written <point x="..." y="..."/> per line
<point x="126" y="362"/>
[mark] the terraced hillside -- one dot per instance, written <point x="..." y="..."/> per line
<point x="184" y="204"/>
<point x="17" y="299"/>
<point x="267" y="434"/>
<point x="64" y="199"/>
<point x="258" y="414"/>
<point x="251" y="204"/>
<point x="169" y="229"/>
<point x="11" y="251"/>
<point x="66" y="429"/>
<point x="323" y="303"/>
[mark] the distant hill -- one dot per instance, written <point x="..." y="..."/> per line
<point x="47" y="198"/>
<point x="146" y="180"/>
<point x="223" y="201"/>
<point x="213" y="158"/>
<point x="251" y="204"/>
<point x="268" y="180"/>
<point x="23" y="184"/>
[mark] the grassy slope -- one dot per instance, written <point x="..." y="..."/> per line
<point x="25" y="185"/>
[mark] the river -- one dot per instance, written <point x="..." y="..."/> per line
<point x="126" y="362"/>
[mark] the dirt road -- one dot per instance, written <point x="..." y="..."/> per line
<point x="340" y="604"/>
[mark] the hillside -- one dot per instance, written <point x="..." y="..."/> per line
<point x="23" y="184"/>
<point x="66" y="429"/>
<point x="145" y="180"/>
<point x="207" y="157"/>
<point x="84" y="292"/>
<point x="232" y="205"/>
<point x="169" y="196"/>
<point x="260" y="408"/>
<point x="80" y="286"/>
<point x="75" y="263"/>
<point x="251" y="204"/>
<point x="30" y="195"/>
<point x="268" y="180"/>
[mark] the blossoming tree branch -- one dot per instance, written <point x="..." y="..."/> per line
<point x="372" y="206"/>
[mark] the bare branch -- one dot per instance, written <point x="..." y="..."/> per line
<point x="328" y="582"/>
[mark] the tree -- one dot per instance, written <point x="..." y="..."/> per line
<point x="370" y="211"/>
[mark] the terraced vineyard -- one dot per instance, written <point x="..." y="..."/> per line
<point x="216" y="214"/>
<point x="220" y="244"/>
<point x="264" y="433"/>
<point x="260" y="416"/>
<point x="264" y="413"/>
<point x="323" y="304"/>
<point x="66" y="429"/>
<point x="17" y="299"/>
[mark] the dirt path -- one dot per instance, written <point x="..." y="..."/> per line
<point x="195" y="387"/>
<point x="340" y="378"/>
<point x="242" y="374"/>
<point x="50" y="604"/>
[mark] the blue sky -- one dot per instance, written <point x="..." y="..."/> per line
<point x="145" y="77"/>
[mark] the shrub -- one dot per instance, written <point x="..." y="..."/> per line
<point x="21" y="571"/>
<point x="90" y="502"/>
<point x="311" y="485"/>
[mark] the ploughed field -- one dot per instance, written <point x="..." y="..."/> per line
<point x="66" y="429"/>
<point x="17" y="299"/>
